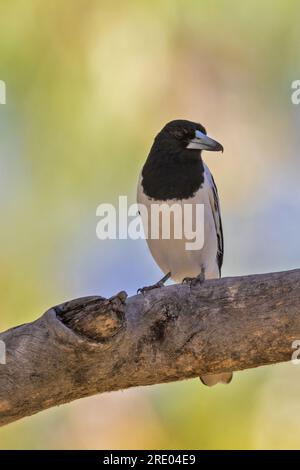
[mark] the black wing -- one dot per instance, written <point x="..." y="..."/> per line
<point x="215" y="207"/>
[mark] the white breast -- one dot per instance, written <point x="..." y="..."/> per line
<point x="171" y="255"/>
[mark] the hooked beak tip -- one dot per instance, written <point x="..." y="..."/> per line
<point x="217" y="147"/>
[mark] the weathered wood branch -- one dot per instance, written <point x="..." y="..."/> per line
<point x="94" y="345"/>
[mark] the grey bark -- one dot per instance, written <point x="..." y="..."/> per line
<point x="93" y="345"/>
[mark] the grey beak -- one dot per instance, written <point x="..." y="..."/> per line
<point x="201" y="141"/>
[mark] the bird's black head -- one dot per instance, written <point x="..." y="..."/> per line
<point x="185" y="139"/>
<point x="174" y="168"/>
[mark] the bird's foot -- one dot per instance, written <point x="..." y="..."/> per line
<point x="194" y="281"/>
<point x="158" y="284"/>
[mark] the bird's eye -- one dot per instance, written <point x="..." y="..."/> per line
<point x="180" y="133"/>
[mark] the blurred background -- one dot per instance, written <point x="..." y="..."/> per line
<point x="89" y="84"/>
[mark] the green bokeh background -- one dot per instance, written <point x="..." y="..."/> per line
<point x="89" y="83"/>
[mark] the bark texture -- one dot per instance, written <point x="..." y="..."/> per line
<point x="93" y="345"/>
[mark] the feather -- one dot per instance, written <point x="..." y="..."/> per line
<point x="216" y="211"/>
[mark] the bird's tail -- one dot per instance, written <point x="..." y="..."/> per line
<point x="214" y="379"/>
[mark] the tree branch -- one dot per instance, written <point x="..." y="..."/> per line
<point x="93" y="345"/>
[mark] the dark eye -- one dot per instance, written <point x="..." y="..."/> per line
<point x="180" y="133"/>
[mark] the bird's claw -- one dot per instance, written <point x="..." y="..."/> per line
<point x="157" y="285"/>
<point x="142" y="290"/>
<point x="193" y="281"/>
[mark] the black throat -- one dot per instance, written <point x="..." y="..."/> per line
<point x="172" y="174"/>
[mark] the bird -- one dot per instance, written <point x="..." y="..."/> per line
<point x="174" y="172"/>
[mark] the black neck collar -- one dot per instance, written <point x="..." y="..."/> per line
<point x="172" y="175"/>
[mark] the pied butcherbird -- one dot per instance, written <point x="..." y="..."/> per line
<point x="174" y="172"/>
